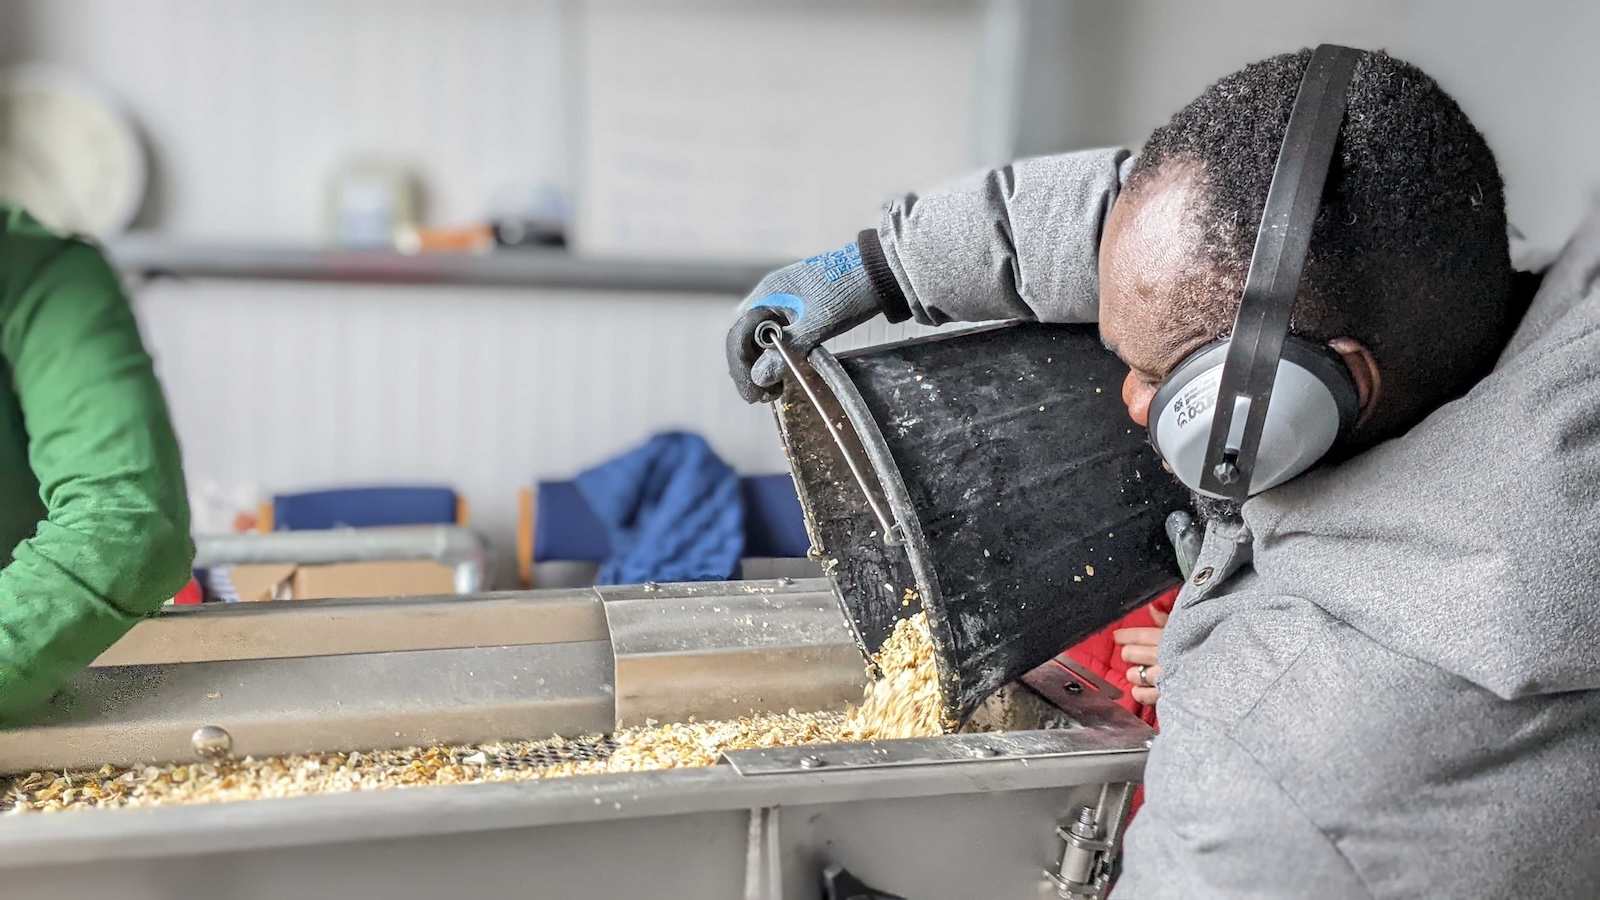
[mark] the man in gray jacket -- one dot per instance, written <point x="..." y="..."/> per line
<point x="1383" y="678"/>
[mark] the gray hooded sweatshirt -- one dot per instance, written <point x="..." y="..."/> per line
<point x="1385" y="682"/>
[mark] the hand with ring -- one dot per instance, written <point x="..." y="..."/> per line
<point x="1139" y="652"/>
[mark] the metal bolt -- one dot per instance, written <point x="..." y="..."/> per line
<point x="814" y="553"/>
<point x="1226" y="472"/>
<point x="1085" y="826"/>
<point x="211" y="741"/>
<point x="1203" y="576"/>
<point x="812" y="762"/>
<point x="1078" y="873"/>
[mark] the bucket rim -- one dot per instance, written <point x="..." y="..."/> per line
<point x="914" y="541"/>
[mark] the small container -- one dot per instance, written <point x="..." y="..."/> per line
<point x="372" y="203"/>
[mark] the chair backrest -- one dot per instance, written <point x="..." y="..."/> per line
<point x="369" y="507"/>
<point x="774" y="526"/>
<point x="566" y="529"/>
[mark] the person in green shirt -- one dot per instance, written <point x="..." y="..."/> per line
<point x="93" y="512"/>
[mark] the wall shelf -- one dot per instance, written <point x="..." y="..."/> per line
<point x="149" y="257"/>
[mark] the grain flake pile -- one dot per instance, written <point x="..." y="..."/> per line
<point x="905" y="702"/>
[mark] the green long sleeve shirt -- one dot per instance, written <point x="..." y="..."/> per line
<point x="94" y="519"/>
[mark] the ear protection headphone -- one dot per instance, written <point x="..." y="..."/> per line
<point x="1258" y="408"/>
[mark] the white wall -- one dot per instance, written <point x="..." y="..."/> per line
<point x="715" y="128"/>
<point x="764" y="130"/>
<point x="1526" y="72"/>
<point x="250" y="105"/>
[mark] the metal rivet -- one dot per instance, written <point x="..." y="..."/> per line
<point x="985" y="752"/>
<point x="812" y="762"/>
<point x="813" y="553"/>
<point x="651" y="586"/>
<point x="1203" y="576"/>
<point x="1073" y="687"/>
<point x="211" y="741"/>
<point x="785" y="581"/>
<point x="1149" y="742"/>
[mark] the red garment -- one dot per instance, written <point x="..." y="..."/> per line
<point x="1101" y="655"/>
<point x="191" y="595"/>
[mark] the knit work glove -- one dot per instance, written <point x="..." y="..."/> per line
<point x="815" y="299"/>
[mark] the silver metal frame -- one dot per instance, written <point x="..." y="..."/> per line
<point x="928" y="832"/>
<point x="955" y="816"/>
<point x="339" y="627"/>
<point x="699" y="650"/>
<point x="272" y="677"/>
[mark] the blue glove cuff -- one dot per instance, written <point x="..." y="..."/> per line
<point x="790" y="303"/>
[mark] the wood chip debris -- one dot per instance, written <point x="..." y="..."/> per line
<point x="905" y="703"/>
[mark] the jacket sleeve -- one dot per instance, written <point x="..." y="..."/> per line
<point x="115" y="542"/>
<point x="1018" y="242"/>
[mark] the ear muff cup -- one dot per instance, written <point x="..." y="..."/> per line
<point x="1314" y="403"/>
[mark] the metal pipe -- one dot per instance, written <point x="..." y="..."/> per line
<point x="131" y="715"/>
<point x="448" y="545"/>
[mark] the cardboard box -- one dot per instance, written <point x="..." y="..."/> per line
<point x="262" y="581"/>
<point x="403" y="578"/>
<point x="288" y="581"/>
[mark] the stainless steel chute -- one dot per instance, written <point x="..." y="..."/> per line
<point x="956" y="816"/>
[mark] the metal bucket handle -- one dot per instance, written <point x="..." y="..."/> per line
<point x="769" y="335"/>
<point x="854" y="433"/>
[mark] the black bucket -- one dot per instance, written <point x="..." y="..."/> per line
<point x="1026" y="510"/>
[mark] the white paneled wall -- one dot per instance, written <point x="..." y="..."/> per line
<point x="765" y="130"/>
<point x="1525" y="72"/>
<point x="705" y="126"/>
<point x="250" y="105"/>
<point x="286" y="386"/>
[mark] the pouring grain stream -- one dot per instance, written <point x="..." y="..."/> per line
<point x="906" y="702"/>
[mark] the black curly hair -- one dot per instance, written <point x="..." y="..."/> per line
<point x="1409" y="254"/>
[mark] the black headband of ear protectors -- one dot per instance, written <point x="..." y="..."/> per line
<point x="1262" y="326"/>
